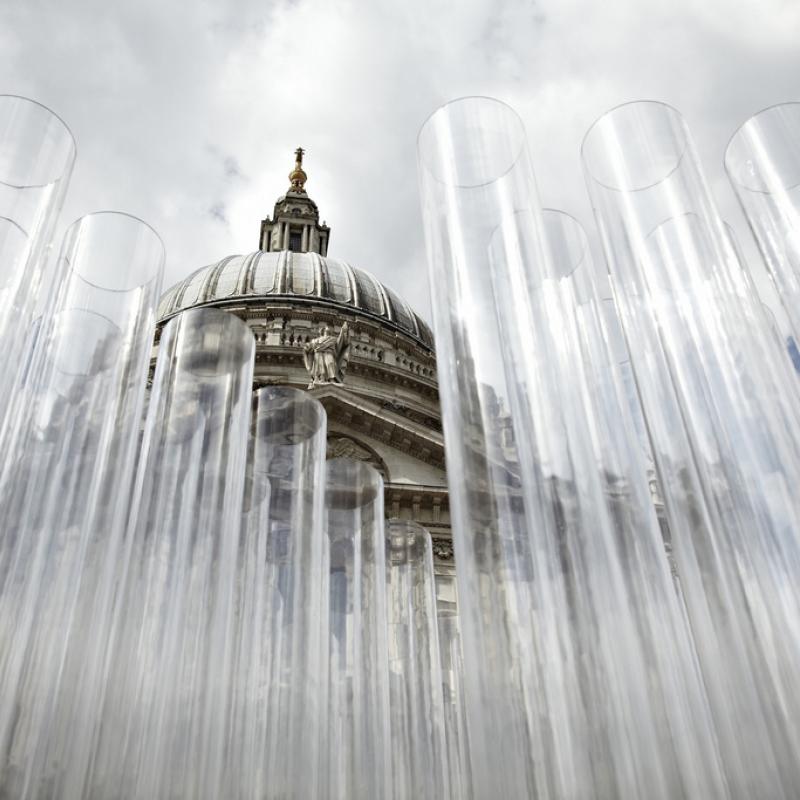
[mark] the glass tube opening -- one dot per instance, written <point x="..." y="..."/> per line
<point x="351" y="484"/>
<point x="635" y="146"/>
<point x="763" y="155"/>
<point x="569" y="255"/>
<point x="85" y="343"/>
<point x="114" y="251"/>
<point x="566" y="241"/>
<point x="288" y="416"/>
<point x="517" y="240"/>
<point x="36" y="146"/>
<point x="213" y="343"/>
<point x="471" y="142"/>
<point x="679" y="253"/>
<point x="406" y="542"/>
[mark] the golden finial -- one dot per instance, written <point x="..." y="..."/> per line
<point x="297" y="176"/>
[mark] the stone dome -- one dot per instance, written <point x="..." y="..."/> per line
<point x="303" y="277"/>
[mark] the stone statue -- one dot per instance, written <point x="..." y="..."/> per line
<point x="326" y="356"/>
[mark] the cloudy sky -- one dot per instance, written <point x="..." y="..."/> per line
<point x="187" y="114"/>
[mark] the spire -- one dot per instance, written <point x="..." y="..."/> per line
<point x="294" y="224"/>
<point x="297" y="176"/>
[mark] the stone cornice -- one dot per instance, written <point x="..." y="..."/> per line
<point x="397" y="430"/>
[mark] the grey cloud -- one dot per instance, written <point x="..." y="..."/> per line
<point x="231" y="167"/>
<point x="218" y="212"/>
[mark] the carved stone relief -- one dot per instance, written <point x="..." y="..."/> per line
<point x="345" y="447"/>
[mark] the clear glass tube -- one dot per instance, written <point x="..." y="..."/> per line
<point x="359" y="757"/>
<point x="623" y="460"/>
<point x="541" y="545"/>
<point x="37" y="153"/>
<point x="419" y="747"/>
<point x="454" y="700"/>
<point x="163" y="727"/>
<point x="763" y="164"/>
<point x="283" y="638"/>
<point x="723" y="428"/>
<point x="469" y="162"/>
<point x="65" y="484"/>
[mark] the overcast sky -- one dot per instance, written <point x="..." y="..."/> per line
<point x="187" y="114"/>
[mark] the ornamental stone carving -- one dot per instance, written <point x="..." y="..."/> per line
<point x="326" y="356"/>
<point x="443" y="549"/>
<point x="345" y="447"/>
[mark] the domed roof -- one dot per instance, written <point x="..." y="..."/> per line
<point x="304" y="277"/>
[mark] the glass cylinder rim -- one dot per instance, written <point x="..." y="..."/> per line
<point x="407" y="535"/>
<point x="228" y="321"/>
<point x="307" y="401"/>
<point x="362" y="466"/>
<point x="85" y="312"/>
<point x="523" y="139"/>
<point x="740" y="131"/>
<point x="72" y="151"/>
<point x="157" y="273"/>
<point x="582" y="261"/>
<point x="660" y="104"/>
<point x="364" y="492"/>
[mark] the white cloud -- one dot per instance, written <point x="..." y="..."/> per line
<point x="187" y="114"/>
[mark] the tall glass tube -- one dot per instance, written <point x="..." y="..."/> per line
<point x="455" y="712"/>
<point x="624" y="460"/>
<point x="763" y="163"/>
<point x="359" y="758"/>
<point x="419" y="747"/>
<point x="163" y="729"/>
<point x="723" y="426"/>
<point x="37" y="153"/>
<point x="542" y="551"/>
<point x="66" y="479"/>
<point x="282" y="612"/>
<point x="469" y="161"/>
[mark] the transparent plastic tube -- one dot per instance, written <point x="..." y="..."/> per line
<point x="763" y="163"/>
<point x="723" y="429"/>
<point x="624" y="461"/>
<point x="541" y="548"/>
<point x="163" y="727"/>
<point x="419" y="747"/>
<point x="455" y="712"/>
<point x="468" y="159"/>
<point x="66" y="479"/>
<point x="359" y="758"/>
<point x="37" y="153"/>
<point x="620" y="358"/>
<point x="614" y="584"/>
<point x="282" y="602"/>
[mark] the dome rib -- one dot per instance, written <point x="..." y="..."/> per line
<point x="281" y="270"/>
<point x="244" y="280"/>
<point x="211" y="286"/>
<point x="320" y="275"/>
<point x="351" y="276"/>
